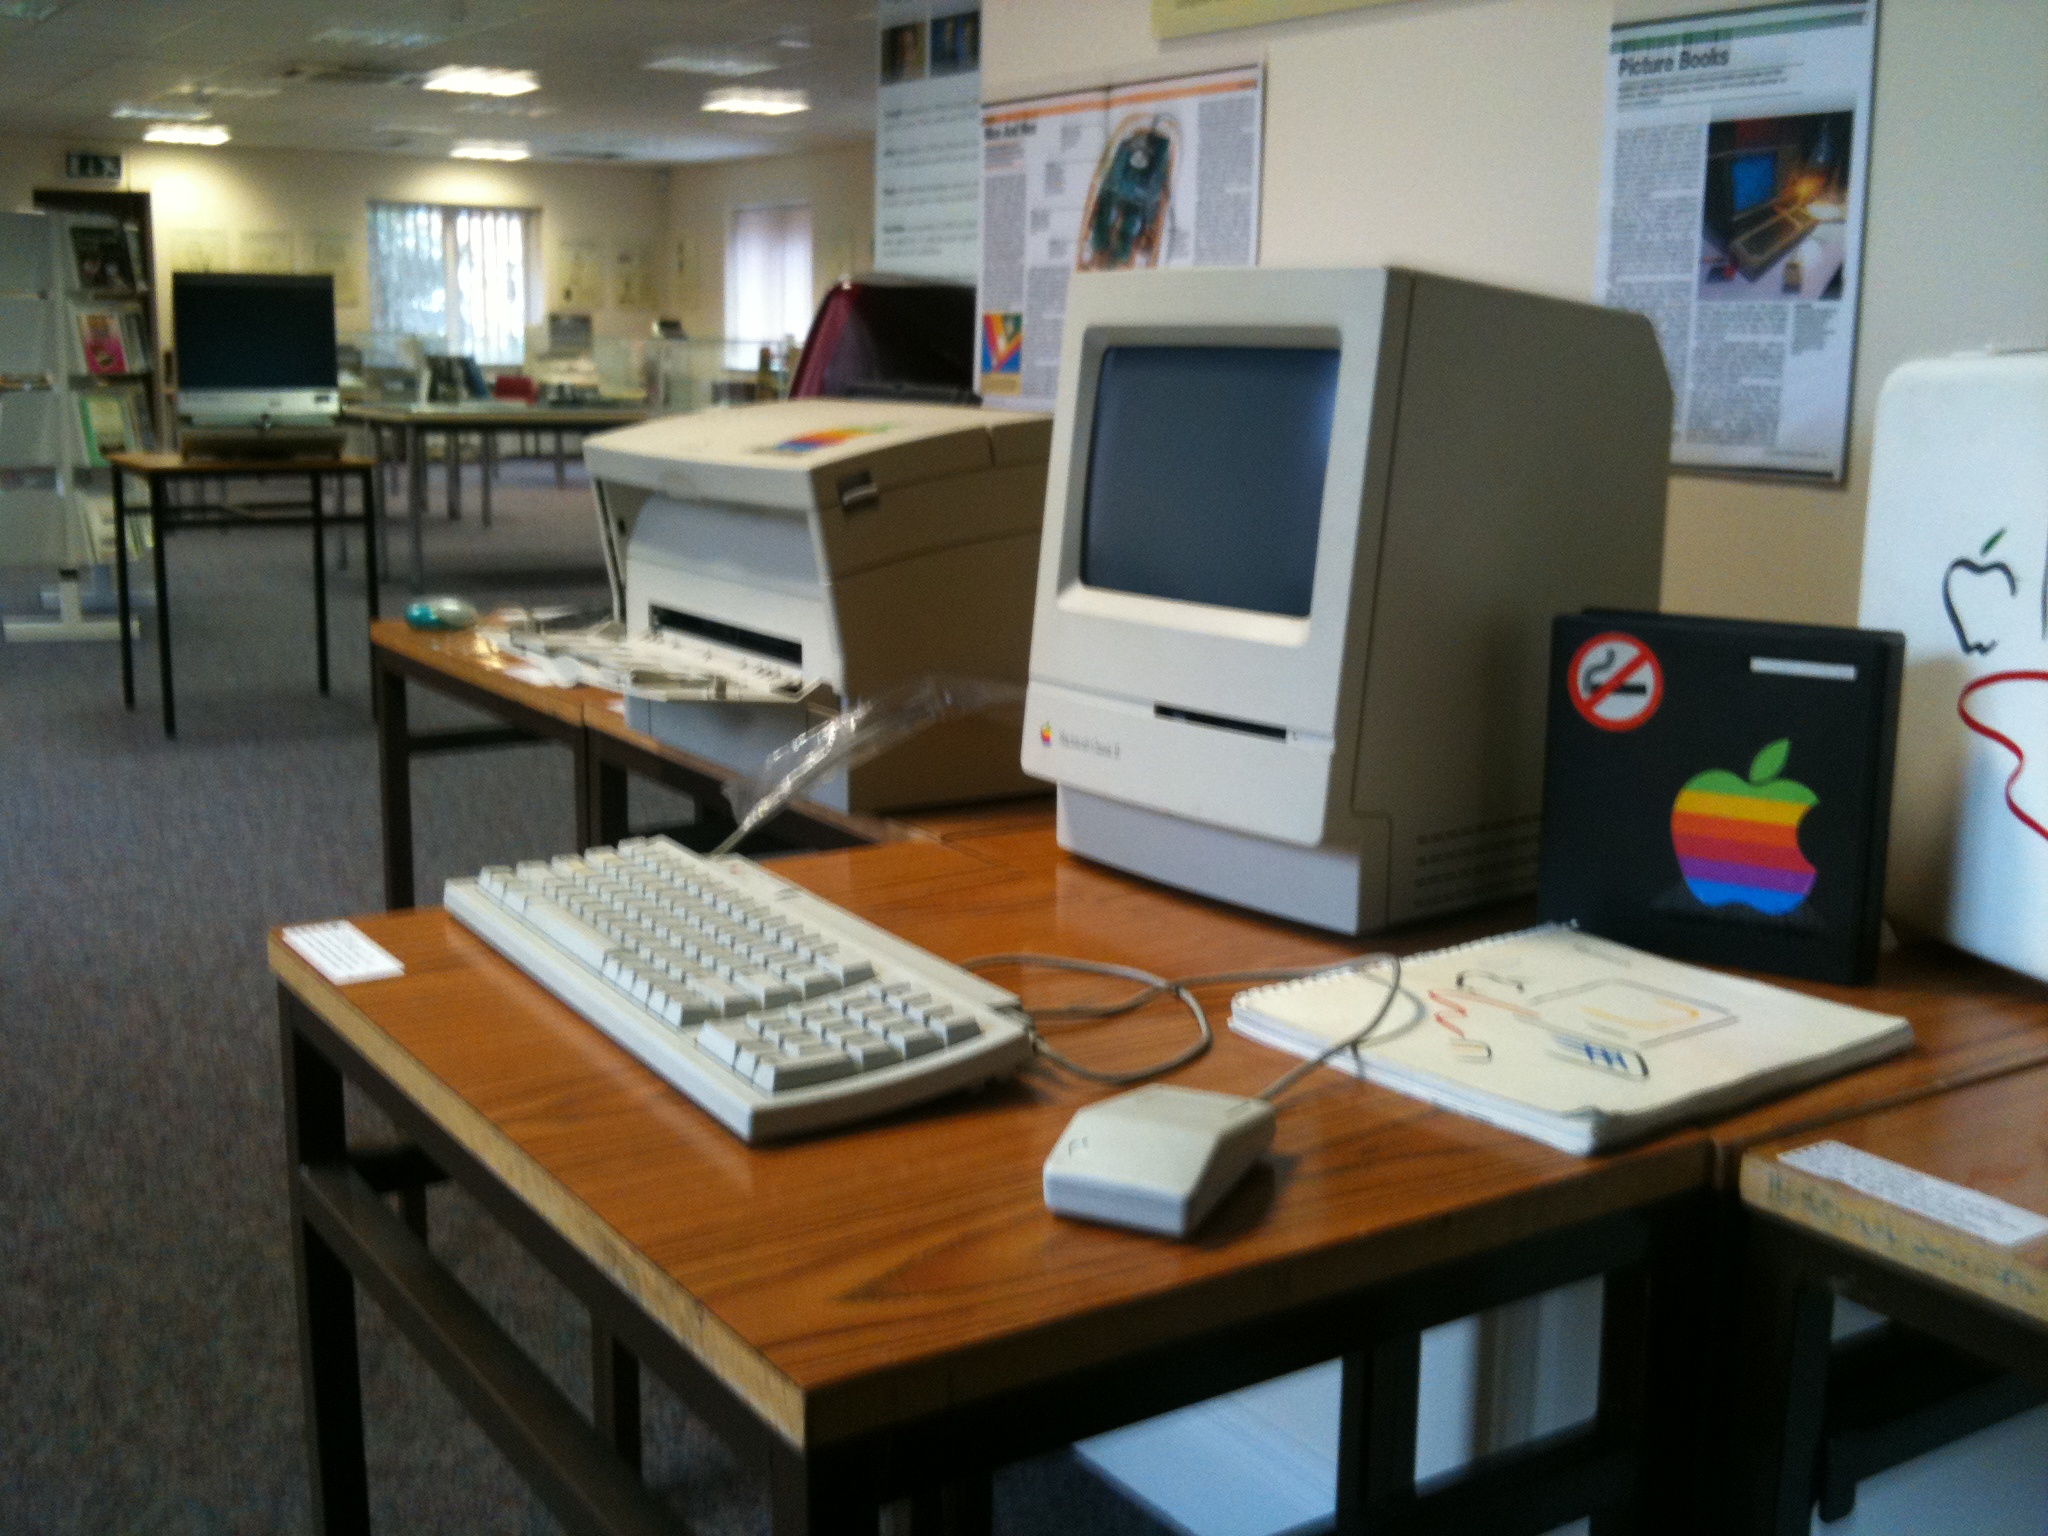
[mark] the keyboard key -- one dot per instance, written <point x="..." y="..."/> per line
<point x="723" y="1042"/>
<point x="723" y="998"/>
<point x="870" y="1051"/>
<point x="774" y="1074"/>
<point x="953" y="1030"/>
<point x="847" y="968"/>
<point x="915" y="1041"/>
<point x="569" y="931"/>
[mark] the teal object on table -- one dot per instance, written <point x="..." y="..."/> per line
<point x="440" y="613"/>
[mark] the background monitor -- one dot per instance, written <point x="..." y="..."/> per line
<point x="254" y="348"/>
<point x="253" y="331"/>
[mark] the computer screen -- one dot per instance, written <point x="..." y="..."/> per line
<point x="1754" y="178"/>
<point x="253" y="331"/>
<point x="1205" y="474"/>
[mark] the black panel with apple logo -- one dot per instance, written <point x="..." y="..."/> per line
<point x="1720" y="790"/>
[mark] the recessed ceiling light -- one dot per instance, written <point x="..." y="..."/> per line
<point x="378" y="37"/>
<point x="476" y="149"/>
<point x="187" y="133"/>
<point x="164" y="114"/>
<point x="756" y="102"/>
<point x="479" y="80"/>
<point x="720" y="66"/>
<point x="208" y="92"/>
<point x="500" y="109"/>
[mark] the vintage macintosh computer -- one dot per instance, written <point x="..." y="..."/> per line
<point x="1305" y="532"/>
<point x="859" y="543"/>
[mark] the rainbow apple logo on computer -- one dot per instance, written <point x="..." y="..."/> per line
<point x="1737" y="839"/>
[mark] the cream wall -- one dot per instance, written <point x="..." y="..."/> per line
<point x="839" y="185"/>
<point x="1464" y="136"/>
<point x="596" y="213"/>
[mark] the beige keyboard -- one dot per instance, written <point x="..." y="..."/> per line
<point x="776" y="1011"/>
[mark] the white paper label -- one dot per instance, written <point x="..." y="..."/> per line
<point x="1953" y="1205"/>
<point x="343" y="953"/>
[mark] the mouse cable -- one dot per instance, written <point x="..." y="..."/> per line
<point x="1150" y="987"/>
<point x="1351" y="1042"/>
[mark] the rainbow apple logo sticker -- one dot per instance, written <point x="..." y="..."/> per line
<point x="1045" y="734"/>
<point x="1738" y="839"/>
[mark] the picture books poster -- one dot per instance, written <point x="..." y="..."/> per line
<point x="1164" y="173"/>
<point x="1733" y="175"/>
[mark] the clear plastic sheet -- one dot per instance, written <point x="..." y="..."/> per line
<point x="854" y="736"/>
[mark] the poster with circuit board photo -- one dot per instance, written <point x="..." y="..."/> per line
<point x="1737" y="152"/>
<point x="1164" y="173"/>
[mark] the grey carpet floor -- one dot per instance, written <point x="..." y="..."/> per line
<point x="148" y="1376"/>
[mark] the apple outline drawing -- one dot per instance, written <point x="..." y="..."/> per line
<point x="1977" y="567"/>
<point x="1765" y="784"/>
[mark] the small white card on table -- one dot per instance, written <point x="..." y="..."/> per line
<point x="343" y="953"/>
<point x="1953" y="1205"/>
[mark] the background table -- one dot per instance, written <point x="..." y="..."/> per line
<point x="159" y="471"/>
<point x="891" y="1311"/>
<point x="588" y="721"/>
<point x="1812" y="1239"/>
<point x="414" y="424"/>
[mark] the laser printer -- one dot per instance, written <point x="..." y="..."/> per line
<point x="857" y="544"/>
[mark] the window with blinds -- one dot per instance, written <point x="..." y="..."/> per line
<point x="455" y="277"/>
<point x="768" y="292"/>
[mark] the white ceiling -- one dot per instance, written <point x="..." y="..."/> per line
<point x="318" y="74"/>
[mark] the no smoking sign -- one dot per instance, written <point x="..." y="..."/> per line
<point x="1615" y="681"/>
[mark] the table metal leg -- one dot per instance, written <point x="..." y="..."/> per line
<point x="163" y="605"/>
<point x="1786" y="1350"/>
<point x="803" y="1500"/>
<point x="416" y="500"/>
<point x="316" y="1131"/>
<point x="559" y="480"/>
<point x="121" y="588"/>
<point x="319" y="490"/>
<point x="373" y="532"/>
<point x="615" y="1393"/>
<point x="1376" y="1434"/>
<point x="487" y="467"/>
<point x="394" y="783"/>
<point x="451" y="458"/>
<point x="601" y="797"/>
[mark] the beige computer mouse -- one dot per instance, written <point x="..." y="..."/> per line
<point x="1158" y="1158"/>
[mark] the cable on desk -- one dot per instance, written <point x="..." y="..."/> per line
<point x="1152" y="987"/>
<point x="1351" y="1042"/>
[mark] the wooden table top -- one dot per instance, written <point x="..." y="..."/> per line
<point x="1971" y="1021"/>
<point x="465" y="656"/>
<point x="872" y="1277"/>
<point x="182" y="464"/>
<point x="1991" y="1137"/>
<point x="497" y="413"/>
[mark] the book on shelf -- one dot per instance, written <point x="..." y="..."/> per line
<point x="1575" y="1041"/>
<point x="113" y="421"/>
<point x="134" y="341"/>
<point x="101" y="340"/>
<point x="103" y="259"/>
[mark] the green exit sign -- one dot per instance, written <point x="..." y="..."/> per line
<point x="85" y="167"/>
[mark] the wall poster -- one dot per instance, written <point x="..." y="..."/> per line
<point x="1731" y="214"/>
<point x="1185" y="18"/>
<point x="1160" y="174"/>
<point x="928" y="138"/>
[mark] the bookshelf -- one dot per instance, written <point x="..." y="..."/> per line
<point x="78" y="380"/>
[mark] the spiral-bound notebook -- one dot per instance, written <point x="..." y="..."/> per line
<point x="1573" y="1040"/>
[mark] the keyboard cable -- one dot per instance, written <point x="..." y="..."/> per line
<point x="1181" y="988"/>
